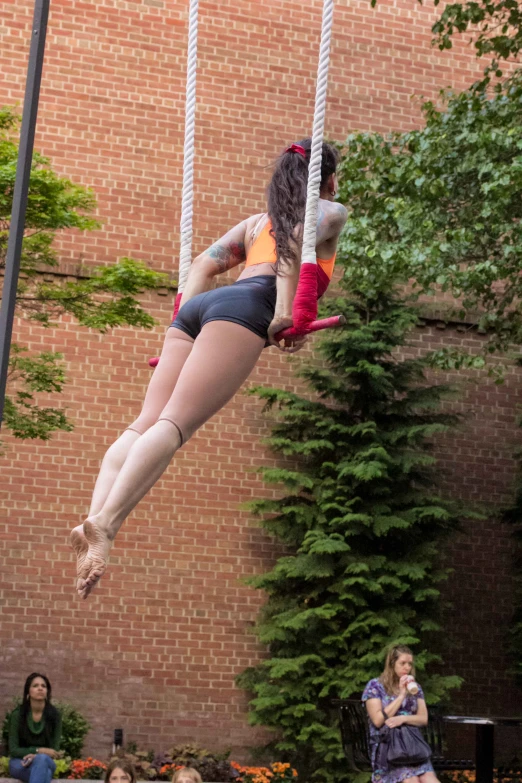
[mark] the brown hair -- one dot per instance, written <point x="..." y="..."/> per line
<point x="187" y="772"/>
<point x="389" y="678"/>
<point x="125" y="765"/>
<point x="286" y="195"/>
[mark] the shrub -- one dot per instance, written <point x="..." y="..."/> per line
<point x="211" y="766"/>
<point x="63" y="767"/>
<point x="142" y="761"/>
<point x="74" y="730"/>
<point x="218" y="771"/>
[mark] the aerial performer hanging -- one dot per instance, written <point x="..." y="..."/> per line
<point x="217" y="336"/>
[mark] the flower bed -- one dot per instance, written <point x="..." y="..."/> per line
<point x="212" y="769"/>
<point x="276" y="772"/>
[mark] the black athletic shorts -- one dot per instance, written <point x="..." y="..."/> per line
<point x="249" y="302"/>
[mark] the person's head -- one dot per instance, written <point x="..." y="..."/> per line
<point x="37" y="688"/>
<point x="287" y="193"/>
<point x="37" y="694"/>
<point x="186" y="775"/>
<point x="399" y="661"/>
<point x="120" y="771"/>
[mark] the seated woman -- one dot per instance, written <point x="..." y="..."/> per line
<point x="35" y="731"/>
<point x="120" y="771"/>
<point x="389" y="703"/>
<point x="186" y="775"/>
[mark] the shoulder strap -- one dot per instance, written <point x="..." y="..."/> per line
<point x="255" y="231"/>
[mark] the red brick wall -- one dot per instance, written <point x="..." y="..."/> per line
<point x="477" y="468"/>
<point x="156" y="649"/>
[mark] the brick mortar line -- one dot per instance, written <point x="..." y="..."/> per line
<point x="427" y="317"/>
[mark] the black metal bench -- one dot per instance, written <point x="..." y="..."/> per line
<point x="355" y="738"/>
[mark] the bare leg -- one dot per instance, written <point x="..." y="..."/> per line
<point x="111" y="465"/>
<point x="223" y="356"/>
<point x="176" y="349"/>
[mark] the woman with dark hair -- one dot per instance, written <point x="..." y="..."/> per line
<point x="214" y="344"/>
<point x="389" y="703"/>
<point x="35" y="730"/>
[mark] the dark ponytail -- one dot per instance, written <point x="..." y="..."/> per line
<point x="286" y="197"/>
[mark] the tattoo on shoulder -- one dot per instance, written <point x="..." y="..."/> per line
<point x="227" y="256"/>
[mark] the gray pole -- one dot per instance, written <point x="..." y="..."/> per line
<point x="23" y="170"/>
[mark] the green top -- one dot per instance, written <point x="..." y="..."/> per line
<point x="37" y="733"/>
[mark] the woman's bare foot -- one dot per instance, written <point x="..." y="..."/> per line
<point x="95" y="563"/>
<point x="80" y="546"/>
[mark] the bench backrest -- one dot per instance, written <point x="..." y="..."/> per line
<point x="355" y="734"/>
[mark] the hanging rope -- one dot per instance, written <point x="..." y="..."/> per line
<point x="185" y="250"/>
<point x="316" y="154"/>
<point x="187" y="199"/>
<point x="304" y="309"/>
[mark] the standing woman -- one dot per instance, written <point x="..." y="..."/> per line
<point x="35" y="732"/>
<point x="389" y="703"/>
<point x="214" y="343"/>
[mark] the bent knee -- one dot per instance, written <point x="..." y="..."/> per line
<point x="176" y="429"/>
<point x="142" y="424"/>
<point x="42" y="759"/>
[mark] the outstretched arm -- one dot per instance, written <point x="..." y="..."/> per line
<point x="226" y="253"/>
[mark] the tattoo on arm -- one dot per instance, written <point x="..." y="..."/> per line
<point x="227" y="256"/>
<point x="331" y="221"/>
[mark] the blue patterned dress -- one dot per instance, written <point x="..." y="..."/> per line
<point x="375" y="690"/>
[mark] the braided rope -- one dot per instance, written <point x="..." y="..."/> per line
<point x="308" y="255"/>
<point x="185" y="250"/>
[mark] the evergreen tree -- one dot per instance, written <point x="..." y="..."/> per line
<point x="363" y="525"/>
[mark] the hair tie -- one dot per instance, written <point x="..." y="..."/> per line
<point x="296" y="148"/>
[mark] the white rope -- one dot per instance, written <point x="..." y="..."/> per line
<point x="308" y="255"/>
<point x="185" y="250"/>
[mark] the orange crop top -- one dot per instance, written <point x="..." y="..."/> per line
<point x="263" y="251"/>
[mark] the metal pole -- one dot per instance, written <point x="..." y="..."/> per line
<point x="23" y="170"/>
